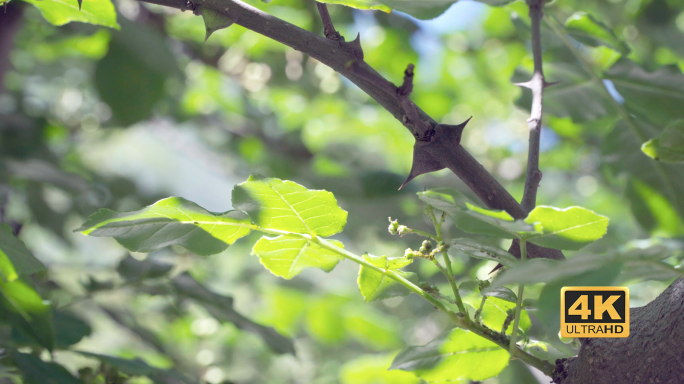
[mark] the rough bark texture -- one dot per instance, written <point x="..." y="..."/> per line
<point x="651" y="354"/>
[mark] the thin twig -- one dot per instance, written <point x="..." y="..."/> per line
<point x="534" y="123"/>
<point x="518" y="305"/>
<point x="328" y="27"/>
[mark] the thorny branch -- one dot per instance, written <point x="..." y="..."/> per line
<point x="441" y="150"/>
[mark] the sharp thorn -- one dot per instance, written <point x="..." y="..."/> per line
<point x="550" y="83"/>
<point x="526" y="84"/>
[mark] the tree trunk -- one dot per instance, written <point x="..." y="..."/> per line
<point x="652" y="353"/>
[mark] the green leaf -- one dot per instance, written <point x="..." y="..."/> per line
<point x="376" y="285"/>
<point x="15" y="258"/>
<point x="454" y="354"/>
<point x="478" y="250"/>
<point x="657" y="196"/>
<point x="213" y="21"/>
<point x="288" y="206"/>
<point x="502" y="293"/>
<point x="658" y="95"/>
<point x="135" y="270"/>
<point x="286" y="256"/>
<point x="569" y="228"/>
<point x="586" y="29"/>
<point x="668" y="147"/>
<point x="167" y="222"/>
<point x="471" y="218"/>
<point x="138" y="367"/>
<point x="371" y="328"/>
<point x="372" y="369"/>
<point x="60" y="12"/>
<point x="69" y="330"/>
<point x="36" y="371"/>
<point x="546" y="271"/>
<point x="221" y="308"/>
<point x="21" y="306"/>
<point x="421" y="9"/>
<point x="495" y="311"/>
<point x="132" y="77"/>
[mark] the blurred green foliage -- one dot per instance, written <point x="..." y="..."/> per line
<point x="93" y="117"/>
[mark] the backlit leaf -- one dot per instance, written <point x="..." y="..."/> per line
<point x="288" y="206"/>
<point x="376" y="285"/>
<point x="15" y="258"/>
<point x="454" y="354"/>
<point x="569" y="228"/>
<point x="60" y="12"/>
<point x="286" y="256"/>
<point x="167" y="222"/>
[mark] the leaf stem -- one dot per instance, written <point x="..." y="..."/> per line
<point x="448" y="272"/>
<point x="518" y="304"/>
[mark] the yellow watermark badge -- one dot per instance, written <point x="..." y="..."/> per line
<point x="594" y="312"/>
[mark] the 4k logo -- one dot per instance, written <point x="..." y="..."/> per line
<point x="594" y="312"/>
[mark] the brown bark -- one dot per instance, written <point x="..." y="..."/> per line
<point x="651" y="354"/>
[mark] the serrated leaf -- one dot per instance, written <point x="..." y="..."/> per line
<point x="668" y="147"/>
<point x="213" y="21"/>
<point x="286" y="256"/>
<point x="658" y="95"/>
<point x="15" y="258"/>
<point x="376" y="285"/>
<point x="454" y="354"/>
<point x="478" y="250"/>
<point x="569" y="228"/>
<point x="287" y="206"/>
<point x="502" y="293"/>
<point x="495" y="311"/>
<point x="60" y="12"/>
<point x="471" y="218"/>
<point x="171" y="221"/>
<point x="586" y="29"/>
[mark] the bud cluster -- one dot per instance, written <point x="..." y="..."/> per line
<point x="396" y="229"/>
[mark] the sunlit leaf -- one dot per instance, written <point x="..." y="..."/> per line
<point x="286" y="256"/>
<point x="478" y="250"/>
<point x="454" y="354"/>
<point x="569" y="228"/>
<point x="471" y="218"/>
<point x="668" y="147"/>
<point x="60" y="12"/>
<point x="421" y="9"/>
<point x="167" y="222"/>
<point x="373" y="369"/>
<point x="376" y="285"/>
<point x="495" y="311"/>
<point x="588" y="30"/>
<point x="288" y="206"/>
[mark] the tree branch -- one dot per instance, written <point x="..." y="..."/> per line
<point x="436" y="143"/>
